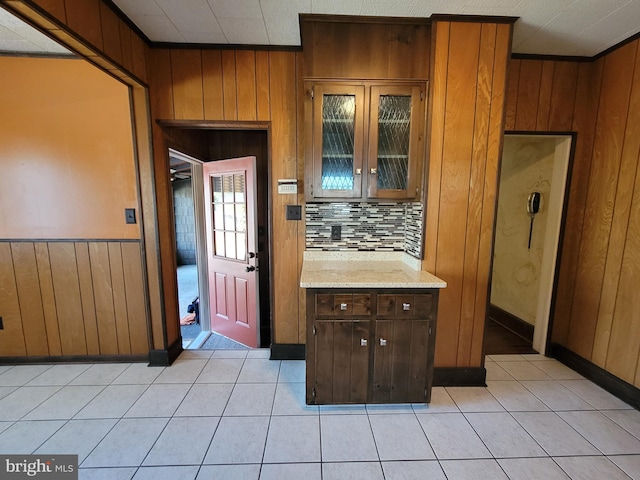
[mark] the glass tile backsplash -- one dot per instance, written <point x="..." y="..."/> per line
<point x="365" y="227"/>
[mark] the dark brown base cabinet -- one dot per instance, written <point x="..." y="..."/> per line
<point x="370" y="345"/>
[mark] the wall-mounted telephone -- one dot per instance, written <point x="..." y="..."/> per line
<point x="533" y="203"/>
<point x="533" y="207"/>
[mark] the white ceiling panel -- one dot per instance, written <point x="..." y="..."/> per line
<point x="545" y="27"/>
<point x="250" y="31"/>
<point x="282" y="22"/>
<point x="336" y="7"/>
<point x="17" y="36"/>
<point x="158" y="28"/>
<point x="236" y="8"/>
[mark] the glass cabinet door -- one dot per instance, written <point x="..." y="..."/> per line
<point x="395" y="140"/>
<point x="338" y="140"/>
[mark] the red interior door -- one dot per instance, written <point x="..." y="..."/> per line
<point x="230" y="210"/>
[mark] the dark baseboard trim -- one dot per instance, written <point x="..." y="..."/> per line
<point x="511" y="322"/>
<point x="164" y="358"/>
<point x="459" y="377"/>
<point x="612" y="384"/>
<point x="74" y="359"/>
<point x="287" y="351"/>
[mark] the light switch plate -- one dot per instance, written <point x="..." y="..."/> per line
<point x="130" y="215"/>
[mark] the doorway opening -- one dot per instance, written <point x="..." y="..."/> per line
<point x="532" y="196"/>
<point x="205" y="144"/>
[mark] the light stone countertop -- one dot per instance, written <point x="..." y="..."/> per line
<point x="365" y="270"/>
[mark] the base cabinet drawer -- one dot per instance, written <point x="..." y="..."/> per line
<point x="370" y="346"/>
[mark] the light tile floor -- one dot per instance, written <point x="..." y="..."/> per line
<point x="237" y="415"/>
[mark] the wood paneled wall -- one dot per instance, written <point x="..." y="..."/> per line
<point x="365" y="48"/>
<point x="467" y="95"/>
<point x="72" y="298"/>
<point x="99" y="34"/>
<point x="224" y="87"/>
<point x="596" y="314"/>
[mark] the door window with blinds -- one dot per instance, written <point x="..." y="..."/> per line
<point x="230" y="215"/>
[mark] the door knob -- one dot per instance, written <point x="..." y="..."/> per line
<point x="251" y="268"/>
<point x="252" y="255"/>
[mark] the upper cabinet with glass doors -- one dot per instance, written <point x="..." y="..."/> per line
<point x="364" y="141"/>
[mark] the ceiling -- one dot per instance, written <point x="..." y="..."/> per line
<point x="17" y="36"/>
<point x="546" y="27"/>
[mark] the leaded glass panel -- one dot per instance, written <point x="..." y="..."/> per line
<point x="338" y="130"/>
<point x="394" y="128"/>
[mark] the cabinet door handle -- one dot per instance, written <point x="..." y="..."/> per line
<point x="374" y="171"/>
<point x="406" y="306"/>
<point x="358" y="171"/>
<point x="383" y="342"/>
<point x="343" y="306"/>
<point x="363" y="342"/>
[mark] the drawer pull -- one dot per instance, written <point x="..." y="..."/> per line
<point x="383" y="342"/>
<point x="363" y="342"/>
<point x="343" y="306"/>
<point x="406" y="306"/>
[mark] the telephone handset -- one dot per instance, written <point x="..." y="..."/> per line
<point x="533" y="207"/>
<point x="533" y="203"/>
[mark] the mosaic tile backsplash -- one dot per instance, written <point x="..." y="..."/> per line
<point x="365" y="227"/>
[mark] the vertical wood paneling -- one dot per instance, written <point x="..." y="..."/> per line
<point x="605" y="167"/>
<point x="86" y="294"/>
<point x="456" y="169"/>
<point x="11" y="337"/>
<point x="625" y="331"/>
<point x="512" y="95"/>
<point x="83" y="17"/>
<point x="565" y="76"/>
<point x="468" y="91"/>
<point x="262" y="86"/>
<point x="284" y="165"/>
<point x="528" y="94"/>
<point x="64" y="272"/>
<point x="188" y="95"/>
<point x="140" y="52"/>
<point x="136" y="311"/>
<point x="595" y="313"/>
<point x="54" y="7"/>
<point x="119" y="297"/>
<point x="584" y="122"/>
<point x="48" y="298"/>
<point x="300" y="125"/>
<point x="494" y="153"/>
<point x="28" y="287"/>
<point x="229" y="85"/>
<point x="618" y="239"/>
<point x="112" y="44"/>
<point x="103" y="294"/>
<point x="246" y="75"/>
<point x="470" y="285"/>
<point x="212" y="84"/>
<point x="544" y="99"/>
<point x="437" y="97"/>
<point x="162" y="99"/>
<point x="125" y="45"/>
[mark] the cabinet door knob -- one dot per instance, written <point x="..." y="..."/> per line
<point x="343" y="306"/>
<point x="406" y="306"/>
<point x="358" y="171"/>
<point x="363" y="342"/>
<point x="374" y="171"/>
<point x="383" y="342"/>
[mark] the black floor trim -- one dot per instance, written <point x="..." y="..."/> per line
<point x="612" y="384"/>
<point x="287" y="351"/>
<point x="459" y="377"/>
<point x="164" y="358"/>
